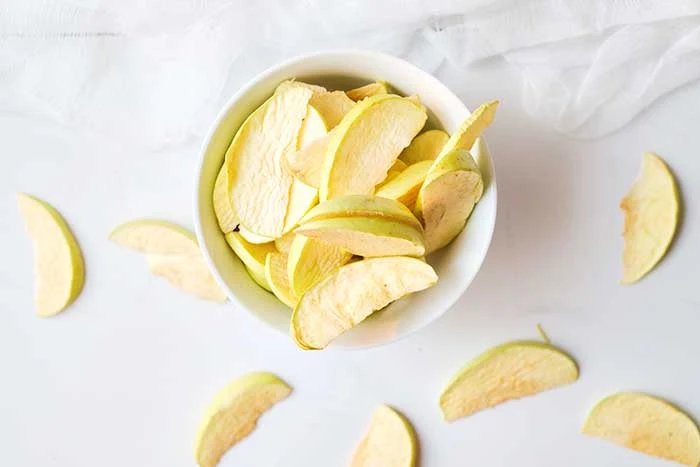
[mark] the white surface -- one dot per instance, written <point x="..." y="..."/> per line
<point x="122" y="378"/>
<point x="456" y="265"/>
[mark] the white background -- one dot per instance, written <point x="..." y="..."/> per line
<point x="122" y="377"/>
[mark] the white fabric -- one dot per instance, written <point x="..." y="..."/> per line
<point x="155" y="72"/>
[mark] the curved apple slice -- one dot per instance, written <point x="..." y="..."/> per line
<point x="252" y="237"/>
<point x="155" y="236"/>
<point x="362" y="206"/>
<point x="405" y="186"/>
<point x="252" y="256"/>
<point x="311" y="260"/>
<point x="367" y="236"/>
<point x="646" y="424"/>
<point x="389" y="442"/>
<point x="276" y="276"/>
<point x="331" y="106"/>
<point x="59" y="269"/>
<point x="506" y="372"/>
<point x="446" y="199"/>
<point x="352" y="293"/>
<point x="222" y="203"/>
<point x="424" y="147"/>
<point x="471" y="128"/>
<point x="651" y="208"/>
<point x="234" y="412"/>
<point x="301" y="199"/>
<point x="312" y="127"/>
<point x="368" y="90"/>
<point x="188" y="273"/>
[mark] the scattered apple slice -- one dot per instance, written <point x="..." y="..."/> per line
<point x="352" y="293"/>
<point x="508" y="371"/>
<point x="646" y="424"/>
<point x="362" y="206"/>
<point x="222" y="203"/>
<point x="276" y="275"/>
<point x="424" y="147"/>
<point x="368" y="90"/>
<point x="59" y="269"/>
<point x="389" y="442"/>
<point x="367" y="236"/>
<point x="405" y="186"/>
<point x="252" y="256"/>
<point x="471" y="128"/>
<point x="259" y="185"/>
<point x="651" y="209"/>
<point x="451" y="189"/>
<point x="188" y="273"/>
<point x="311" y="260"/>
<point x="234" y="412"/>
<point x="367" y="141"/>
<point x="155" y="236"/>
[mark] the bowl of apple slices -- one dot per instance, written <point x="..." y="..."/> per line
<point x="346" y="198"/>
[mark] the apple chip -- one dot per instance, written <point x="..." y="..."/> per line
<point x="222" y="203"/>
<point x="646" y="424"/>
<point x="362" y="206"/>
<point x="188" y="273"/>
<point x="234" y="412"/>
<point x="367" y="141"/>
<point x="252" y="256"/>
<point x="352" y="293"/>
<point x="508" y="371"/>
<point x="59" y="270"/>
<point x="405" y="186"/>
<point x="276" y="275"/>
<point x="331" y="106"/>
<point x="302" y="198"/>
<point x="155" y="236"/>
<point x="368" y="90"/>
<point x="424" y="147"/>
<point x="389" y="442"/>
<point x="651" y="209"/>
<point x="311" y="260"/>
<point x="252" y="237"/>
<point x="306" y="164"/>
<point x="471" y="128"/>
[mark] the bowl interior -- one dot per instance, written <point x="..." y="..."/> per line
<point x="456" y="265"/>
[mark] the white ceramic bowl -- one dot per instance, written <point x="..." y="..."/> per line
<point x="456" y="265"/>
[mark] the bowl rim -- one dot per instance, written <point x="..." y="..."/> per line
<point x="247" y="87"/>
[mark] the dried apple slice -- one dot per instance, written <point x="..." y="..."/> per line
<point x="362" y="206"/>
<point x="405" y="186"/>
<point x="311" y="260"/>
<point x="222" y="203"/>
<point x="508" y="371"/>
<point x="389" y="442"/>
<point x="471" y="128"/>
<point x="306" y="164"/>
<point x="254" y="238"/>
<point x="352" y="293"/>
<point x="155" y="236"/>
<point x="424" y="147"/>
<point x="368" y="90"/>
<point x="252" y="256"/>
<point x="234" y="412"/>
<point x="451" y="189"/>
<point x="312" y="128"/>
<point x="651" y="209"/>
<point x="276" y="275"/>
<point x="258" y="183"/>
<point x="331" y="106"/>
<point x="646" y="424"/>
<point x="367" y="236"/>
<point x="188" y="273"/>
<point x="301" y="199"/>
<point x="59" y="270"/>
<point x="367" y="142"/>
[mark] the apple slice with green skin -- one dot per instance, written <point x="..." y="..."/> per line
<point x="252" y="256"/>
<point x="506" y="372"/>
<point x="352" y="293"/>
<point x="234" y="412"/>
<point x="367" y="236"/>
<point x="362" y="206"/>
<point x="311" y="260"/>
<point x="367" y="141"/>
<point x="471" y="128"/>
<point x="651" y="208"/>
<point x="188" y="273"/>
<point x="405" y="186"/>
<point x="646" y="424"/>
<point x="389" y="442"/>
<point x="373" y="89"/>
<point x="424" y="147"/>
<point x="155" y="236"/>
<point x="222" y="203"/>
<point x="59" y="269"/>
<point x="259" y="185"/>
<point x="446" y="199"/>
<point x="276" y="275"/>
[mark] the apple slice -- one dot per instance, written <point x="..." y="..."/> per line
<point x="331" y="106"/>
<point x="252" y="256"/>
<point x="234" y="413"/>
<point x="367" y="236"/>
<point x="451" y="189"/>
<point x="306" y="164"/>
<point x="222" y="203"/>
<point x="301" y="199"/>
<point x="424" y="147"/>
<point x="651" y="209"/>
<point x="352" y="293"/>
<point x="405" y="186"/>
<point x="312" y="128"/>
<point x="367" y="142"/>
<point x="646" y="424"/>
<point x="471" y="128"/>
<point x="389" y="442"/>
<point x="276" y="275"/>
<point x="362" y="206"/>
<point x="59" y="270"/>
<point x="311" y="260"/>
<point x="155" y="236"/>
<point x="188" y="273"/>
<point x="508" y="371"/>
<point x="259" y="185"/>
<point x="368" y="90"/>
<point x="252" y="237"/>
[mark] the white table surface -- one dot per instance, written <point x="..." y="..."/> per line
<point x="122" y="377"/>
